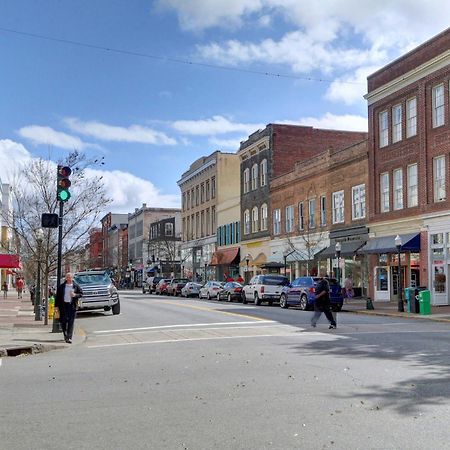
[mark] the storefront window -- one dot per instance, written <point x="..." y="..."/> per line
<point x="383" y="258"/>
<point x="382" y="279"/>
<point x="438" y="253"/>
<point x="439" y="279"/>
<point x="437" y="238"/>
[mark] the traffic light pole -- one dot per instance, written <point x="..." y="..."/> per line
<point x="56" y="325"/>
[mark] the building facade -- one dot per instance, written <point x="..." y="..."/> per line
<point x="109" y="243"/>
<point x="409" y="152"/>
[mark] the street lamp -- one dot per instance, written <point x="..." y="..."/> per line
<point x="338" y="248"/>
<point x="247" y="259"/>
<point x="37" y="303"/>
<point x="398" y="244"/>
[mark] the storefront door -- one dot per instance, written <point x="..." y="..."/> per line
<point x="382" y="284"/>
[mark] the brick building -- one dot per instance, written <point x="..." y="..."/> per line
<point x="320" y="202"/>
<point x="265" y="155"/>
<point x="409" y="146"/>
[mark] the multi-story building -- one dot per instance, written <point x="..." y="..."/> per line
<point x="210" y="181"/>
<point x="138" y="236"/>
<point x="267" y="154"/>
<point x="108" y="221"/>
<point x="409" y="148"/>
<point x="95" y="249"/>
<point x="321" y="202"/>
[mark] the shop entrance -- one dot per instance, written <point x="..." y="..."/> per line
<point x="394" y="282"/>
<point x="382" y="284"/>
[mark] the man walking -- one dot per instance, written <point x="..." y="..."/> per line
<point x="322" y="303"/>
<point x="67" y="296"/>
<point x="19" y="287"/>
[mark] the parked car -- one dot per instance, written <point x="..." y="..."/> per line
<point x="264" y="288"/>
<point x="161" y="287"/>
<point x="302" y="292"/>
<point x="153" y="284"/>
<point x="174" y="287"/>
<point x="210" y="289"/>
<point x="230" y="291"/>
<point x="191" y="289"/>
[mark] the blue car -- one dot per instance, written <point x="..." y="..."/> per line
<point x="301" y="292"/>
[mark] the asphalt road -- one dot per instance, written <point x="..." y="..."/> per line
<point x="171" y="373"/>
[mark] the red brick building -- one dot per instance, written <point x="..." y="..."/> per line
<point x="95" y="248"/>
<point x="409" y="152"/>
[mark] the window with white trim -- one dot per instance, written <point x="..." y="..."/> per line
<point x="255" y="220"/>
<point x="338" y="207"/>
<point x="438" y="106"/>
<point x="168" y="229"/>
<point x="396" y="123"/>
<point x="277" y="221"/>
<point x="289" y="225"/>
<point x="439" y="178"/>
<point x="254" y="177"/>
<point x="263" y="172"/>
<point x="359" y="202"/>
<point x="246" y="181"/>
<point x="383" y="128"/>
<point x="246" y="221"/>
<point x="398" y="188"/>
<point x="413" y="199"/>
<point x="264" y="221"/>
<point x="301" y="216"/>
<point x="384" y="192"/>
<point x="411" y="117"/>
<point x="312" y="212"/>
<point x="323" y="211"/>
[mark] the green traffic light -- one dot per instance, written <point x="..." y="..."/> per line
<point x="64" y="195"/>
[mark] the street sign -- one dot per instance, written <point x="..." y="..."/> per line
<point x="49" y="220"/>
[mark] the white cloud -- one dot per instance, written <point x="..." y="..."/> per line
<point x="40" y="135"/>
<point x="12" y="156"/>
<point x="331" y="121"/>
<point x="133" y="133"/>
<point x="227" y="144"/>
<point x="213" y="126"/>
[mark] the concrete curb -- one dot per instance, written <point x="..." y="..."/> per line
<point x="387" y="314"/>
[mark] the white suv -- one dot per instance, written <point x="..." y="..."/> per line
<point x="264" y="288"/>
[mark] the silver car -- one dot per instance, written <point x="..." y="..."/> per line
<point x="210" y="289"/>
<point x="191" y="289"/>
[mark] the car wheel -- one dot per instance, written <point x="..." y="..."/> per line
<point x="208" y="296"/>
<point x="116" y="308"/>
<point x="283" y="302"/>
<point x="257" y="299"/>
<point x="229" y="298"/>
<point x="244" y="298"/>
<point x="218" y="297"/>
<point x="303" y="302"/>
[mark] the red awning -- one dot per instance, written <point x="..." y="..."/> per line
<point x="10" y="261"/>
<point x="224" y="257"/>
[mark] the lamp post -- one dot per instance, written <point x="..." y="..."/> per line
<point x="37" y="303"/>
<point x="398" y="244"/>
<point x="338" y="256"/>
<point x="247" y="259"/>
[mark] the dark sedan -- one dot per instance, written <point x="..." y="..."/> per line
<point x="230" y="291"/>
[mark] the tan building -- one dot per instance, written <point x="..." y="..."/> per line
<point x="212" y="182"/>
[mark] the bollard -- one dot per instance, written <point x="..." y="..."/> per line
<point x="369" y="304"/>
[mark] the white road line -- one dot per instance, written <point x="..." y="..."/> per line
<point x="188" y="325"/>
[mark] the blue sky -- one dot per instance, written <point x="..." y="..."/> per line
<point x="150" y="116"/>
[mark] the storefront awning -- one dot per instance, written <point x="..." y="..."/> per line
<point x="8" y="261"/>
<point x="225" y="257"/>
<point x="260" y="259"/>
<point x="386" y="244"/>
<point x="348" y="248"/>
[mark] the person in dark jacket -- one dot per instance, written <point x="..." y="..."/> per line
<point x="322" y="303"/>
<point x="66" y="300"/>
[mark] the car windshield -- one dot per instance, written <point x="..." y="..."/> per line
<point x="275" y="281"/>
<point x="92" y="278"/>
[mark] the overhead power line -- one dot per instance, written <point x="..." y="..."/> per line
<point x="166" y="58"/>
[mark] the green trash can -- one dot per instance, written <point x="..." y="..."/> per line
<point x="408" y="299"/>
<point x="425" y="302"/>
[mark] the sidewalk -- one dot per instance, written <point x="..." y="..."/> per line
<point x="358" y="306"/>
<point x="20" y="333"/>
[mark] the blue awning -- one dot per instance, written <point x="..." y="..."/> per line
<point x="386" y="244"/>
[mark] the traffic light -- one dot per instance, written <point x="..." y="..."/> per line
<point x="63" y="183"/>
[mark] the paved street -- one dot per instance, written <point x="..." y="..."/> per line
<point x="171" y="373"/>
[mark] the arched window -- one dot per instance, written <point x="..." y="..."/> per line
<point x="254" y="177"/>
<point x="246" y="221"/>
<point x="246" y="180"/>
<point x="264" y="224"/>
<point x="263" y="172"/>
<point x="255" y="221"/>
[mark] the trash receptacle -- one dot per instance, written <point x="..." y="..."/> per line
<point x="425" y="302"/>
<point x="408" y="298"/>
<point x="414" y="300"/>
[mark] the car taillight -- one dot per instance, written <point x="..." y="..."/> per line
<point x="312" y="290"/>
<point x="238" y="290"/>
<point x="262" y="289"/>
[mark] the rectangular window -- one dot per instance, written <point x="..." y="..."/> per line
<point x="439" y="178"/>
<point x="323" y="211"/>
<point x="213" y="187"/>
<point x="202" y="224"/>
<point x="213" y="218"/>
<point x="411" y="117"/>
<point x="289" y="219"/>
<point x="168" y="229"/>
<point x="397" y="123"/>
<point x="255" y="177"/>
<point x="192" y="198"/>
<point x="412" y="186"/>
<point x="246" y="181"/>
<point x="246" y="221"/>
<point x="202" y="193"/>
<point x="398" y="188"/>
<point x="263" y="172"/>
<point x="338" y="207"/>
<point x="277" y="221"/>
<point x="207" y="222"/>
<point x="383" y="128"/>
<point x="301" y="216"/>
<point x="197" y="196"/>
<point x="359" y="202"/>
<point x="208" y="192"/>
<point x="438" y="106"/>
<point x="264" y="221"/>
<point x="384" y="192"/>
<point x="312" y="212"/>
